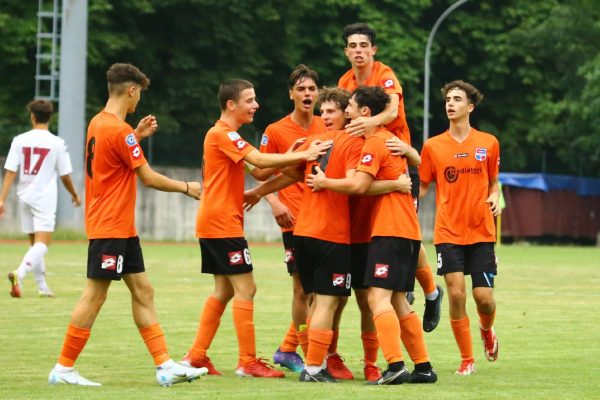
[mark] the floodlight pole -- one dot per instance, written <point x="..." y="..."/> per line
<point x="427" y="56"/>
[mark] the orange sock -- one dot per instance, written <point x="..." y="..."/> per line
<point x="75" y="340"/>
<point x="388" y="333"/>
<point x="303" y="340"/>
<point x="370" y="347"/>
<point x="290" y="341"/>
<point x="155" y="341"/>
<point x="412" y="336"/>
<point x="486" y="321"/>
<point x="334" y="341"/>
<point x="210" y="318"/>
<point x="243" y="319"/>
<point x="462" y="334"/>
<point x="318" y="343"/>
<point x="425" y="278"/>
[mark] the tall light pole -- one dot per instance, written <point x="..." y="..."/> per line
<point x="427" y="56"/>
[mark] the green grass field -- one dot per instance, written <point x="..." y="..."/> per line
<point x="547" y="322"/>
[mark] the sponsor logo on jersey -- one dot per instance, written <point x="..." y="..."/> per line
<point x="339" y="280"/>
<point x="461" y="155"/>
<point x="289" y="255"/>
<point x="136" y="152"/>
<point x="381" y="271"/>
<point x="130" y="140"/>
<point x="109" y="263"/>
<point x="366" y="159"/>
<point x="451" y="173"/>
<point x="264" y="140"/>
<point x="235" y="258"/>
<point x="388" y="84"/>
<point x="480" y="153"/>
<point x="233" y="136"/>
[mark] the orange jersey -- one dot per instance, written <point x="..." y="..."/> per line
<point x="325" y="214"/>
<point x="278" y="138"/>
<point x="112" y="155"/>
<point x="220" y="213"/>
<point x="384" y="77"/>
<point x="394" y="213"/>
<point x="462" y="173"/>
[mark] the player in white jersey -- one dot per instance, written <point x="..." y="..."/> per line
<point x="38" y="157"/>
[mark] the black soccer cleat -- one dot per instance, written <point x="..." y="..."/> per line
<point x="322" y="376"/>
<point x="433" y="310"/>
<point x="392" y="377"/>
<point x="423" y="376"/>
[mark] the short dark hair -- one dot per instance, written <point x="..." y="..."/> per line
<point x="231" y="90"/>
<point x="120" y="73"/>
<point x="359" y="28"/>
<point x="335" y="95"/>
<point x="474" y="96"/>
<point x="373" y="97"/>
<point x="41" y="109"/>
<point x="300" y="73"/>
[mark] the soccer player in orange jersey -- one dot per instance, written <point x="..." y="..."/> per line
<point x="278" y="138"/>
<point x="394" y="247"/>
<point x="360" y="50"/>
<point x="114" y="158"/>
<point x="219" y="227"/>
<point x="463" y="163"/>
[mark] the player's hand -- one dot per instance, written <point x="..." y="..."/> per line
<point x="403" y="184"/>
<point x="283" y="215"/>
<point x="146" y="127"/>
<point x="360" y="126"/>
<point x="317" y="148"/>
<point x="492" y="200"/>
<point x="194" y="190"/>
<point x="251" y="197"/>
<point x="2" y="210"/>
<point x="75" y="200"/>
<point x="297" y="143"/>
<point x="397" y="147"/>
<point x="315" y="181"/>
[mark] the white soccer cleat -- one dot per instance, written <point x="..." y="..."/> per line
<point x="69" y="377"/>
<point x="177" y="373"/>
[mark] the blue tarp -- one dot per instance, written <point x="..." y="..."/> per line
<point x="548" y="182"/>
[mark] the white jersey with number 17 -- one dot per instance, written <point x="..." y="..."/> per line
<point x="39" y="156"/>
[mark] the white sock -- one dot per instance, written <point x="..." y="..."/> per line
<point x="312" y="369"/>
<point x="39" y="271"/>
<point x="167" y="364"/>
<point x="31" y="258"/>
<point x="433" y="295"/>
<point x="62" y="368"/>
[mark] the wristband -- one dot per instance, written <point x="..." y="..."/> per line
<point x="187" y="188"/>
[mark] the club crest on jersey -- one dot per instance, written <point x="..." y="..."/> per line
<point x="264" y="140"/>
<point x="233" y="136"/>
<point x="381" y="271"/>
<point x="235" y="258"/>
<point x="480" y="153"/>
<point x="130" y="140"/>
<point x="388" y="84"/>
<point x="109" y="263"/>
<point x="366" y="159"/>
<point x="289" y="255"/>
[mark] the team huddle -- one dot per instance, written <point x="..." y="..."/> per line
<point x="339" y="187"/>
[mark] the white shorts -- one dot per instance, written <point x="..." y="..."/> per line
<point x="36" y="220"/>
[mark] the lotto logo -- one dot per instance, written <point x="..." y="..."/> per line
<point x="136" y="152"/>
<point x="109" y="263"/>
<point x="381" y="271"/>
<point x="240" y="144"/>
<point x="235" y="258"/>
<point x="289" y="255"/>
<point x="339" y="280"/>
<point x="388" y="83"/>
<point x="366" y="159"/>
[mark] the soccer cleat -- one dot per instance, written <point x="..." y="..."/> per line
<point x="258" y="369"/>
<point x="372" y="373"/>
<point x="289" y="359"/>
<point x="423" y="377"/>
<point x="410" y="297"/>
<point x="490" y="343"/>
<point x="392" y="377"/>
<point x="433" y="310"/>
<point x="201" y="363"/>
<point x="15" y="288"/>
<point x="321" y="376"/>
<point x="337" y="368"/>
<point x="467" y="367"/>
<point x="177" y="373"/>
<point x="68" y="377"/>
<point x="45" y="293"/>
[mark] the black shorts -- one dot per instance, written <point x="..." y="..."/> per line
<point x="324" y="267"/>
<point x="290" y="254"/>
<point x="110" y="258"/>
<point x="392" y="263"/>
<point x="358" y="262"/>
<point x="469" y="259"/>
<point x="225" y="256"/>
